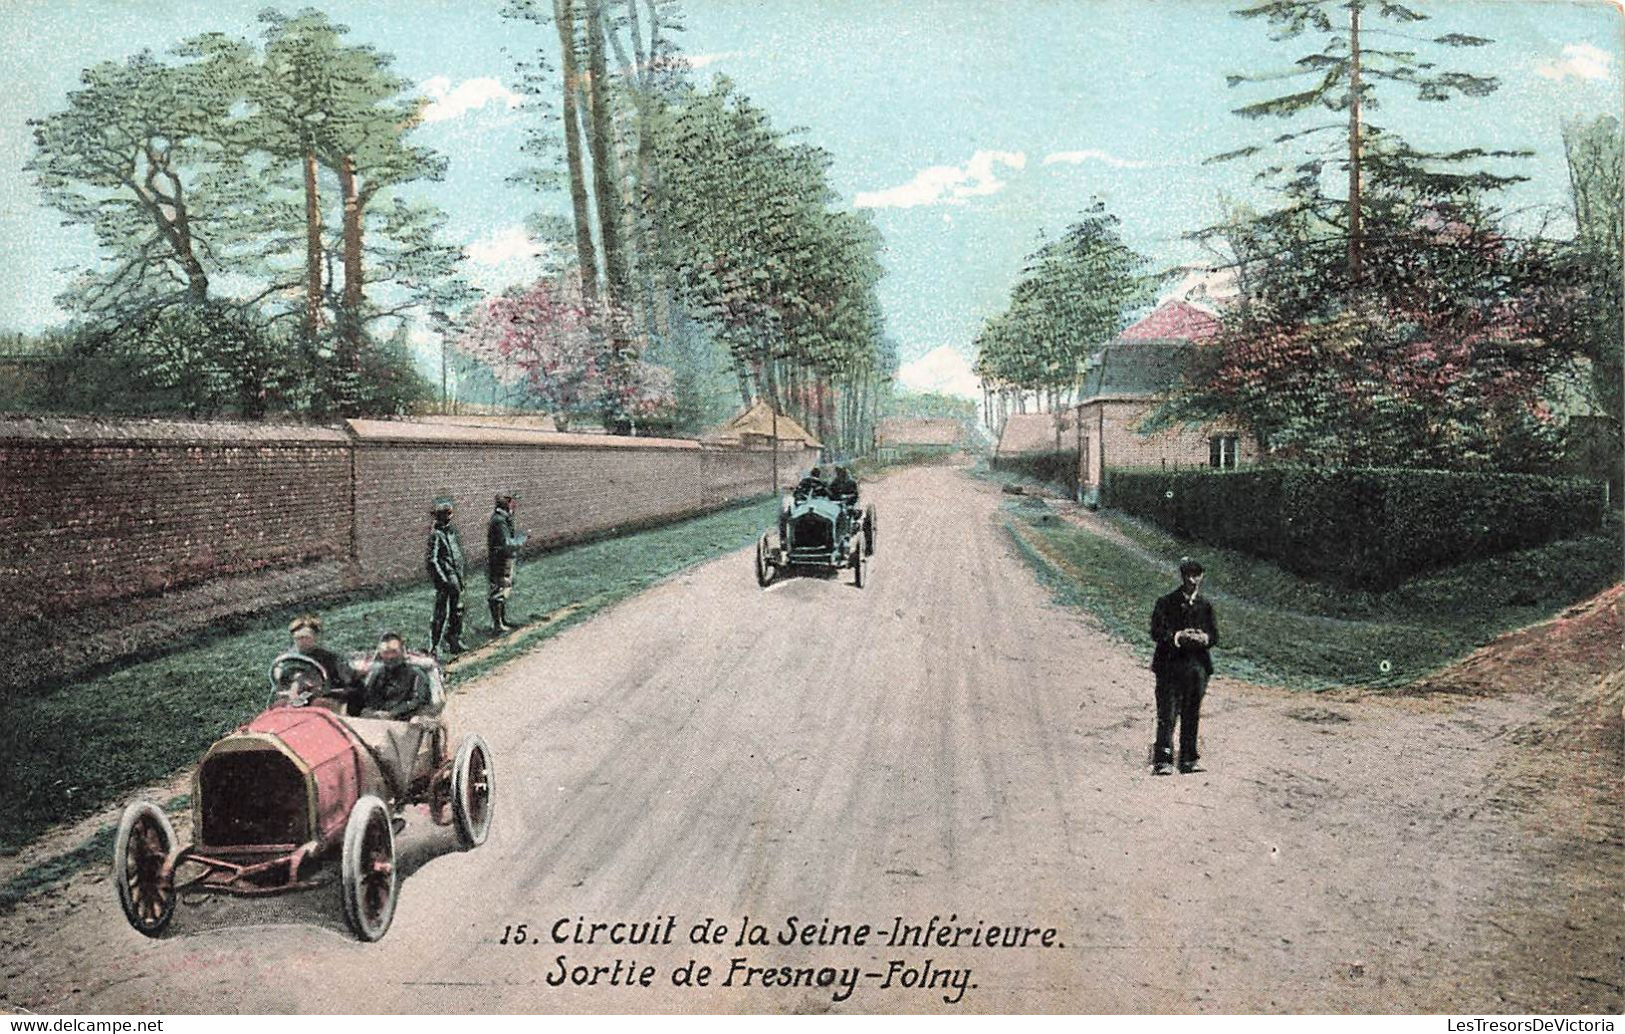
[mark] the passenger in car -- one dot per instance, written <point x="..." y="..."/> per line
<point x="394" y="687"/>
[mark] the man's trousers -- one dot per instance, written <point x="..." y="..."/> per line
<point x="1179" y="699"/>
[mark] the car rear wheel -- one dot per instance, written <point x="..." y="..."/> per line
<point x="472" y="787"/>
<point x="368" y="878"/>
<point x="860" y="567"/>
<point x="764" y="570"/>
<point x="869" y="530"/>
<point x="144" y="843"/>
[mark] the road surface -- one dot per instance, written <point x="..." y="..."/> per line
<point x="945" y="748"/>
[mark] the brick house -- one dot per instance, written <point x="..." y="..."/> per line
<point x="1125" y="383"/>
<point x="918" y="438"/>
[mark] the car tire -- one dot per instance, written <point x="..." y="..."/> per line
<point x="368" y="880"/>
<point x="144" y="843"/>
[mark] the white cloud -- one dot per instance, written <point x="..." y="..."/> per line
<point x="1210" y="289"/>
<point x="946" y="184"/>
<point x="942" y="370"/>
<point x="507" y="258"/>
<point x="1579" y="61"/>
<point x="1079" y="157"/>
<point x="448" y="101"/>
<point x="701" y="60"/>
<point x="510" y="245"/>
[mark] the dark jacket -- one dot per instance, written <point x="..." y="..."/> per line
<point x="501" y="543"/>
<point x="444" y="557"/>
<point x="843" y="488"/>
<point x="398" y="692"/>
<point x="1173" y="613"/>
<point x="339" y="673"/>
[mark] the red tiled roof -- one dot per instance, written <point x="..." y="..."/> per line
<point x="1173" y="321"/>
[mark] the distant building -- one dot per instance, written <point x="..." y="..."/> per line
<point x="1028" y="434"/>
<point x="758" y="426"/>
<point x="1126" y="381"/>
<point x="914" y="438"/>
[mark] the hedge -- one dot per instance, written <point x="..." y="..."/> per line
<point x="1366" y="528"/>
<point x="1055" y="468"/>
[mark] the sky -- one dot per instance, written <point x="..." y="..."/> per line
<point x="966" y="128"/>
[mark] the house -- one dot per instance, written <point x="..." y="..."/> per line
<point x="1031" y="434"/>
<point x="758" y="425"/>
<point x="916" y="438"/>
<point x="1125" y="383"/>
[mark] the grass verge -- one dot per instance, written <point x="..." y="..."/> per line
<point x="1279" y="629"/>
<point x="67" y="753"/>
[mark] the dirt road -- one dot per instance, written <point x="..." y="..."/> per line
<point x="943" y="743"/>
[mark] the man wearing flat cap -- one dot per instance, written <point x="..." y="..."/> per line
<point x="502" y="545"/>
<point x="1184" y="629"/>
<point x="444" y="559"/>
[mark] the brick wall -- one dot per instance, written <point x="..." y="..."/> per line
<point x="91" y="512"/>
<point x="1111" y="433"/>
<point x="116" y="537"/>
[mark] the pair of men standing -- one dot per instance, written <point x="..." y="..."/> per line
<point x="446" y="568"/>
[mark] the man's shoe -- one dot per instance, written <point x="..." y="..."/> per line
<point x="1194" y="766"/>
<point x="1163" y="768"/>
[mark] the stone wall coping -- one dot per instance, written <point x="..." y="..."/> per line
<point x="88" y="431"/>
<point x="413" y="432"/>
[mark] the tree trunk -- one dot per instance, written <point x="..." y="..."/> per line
<point x="313" y="248"/>
<point x="601" y="142"/>
<point x="586" y="252"/>
<point x="1355" y="230"/>
<point x="353" y="207"/>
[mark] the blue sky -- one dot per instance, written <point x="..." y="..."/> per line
<point x="966" y="127"/>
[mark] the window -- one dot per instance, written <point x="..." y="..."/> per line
<point x="1221" y="451"/>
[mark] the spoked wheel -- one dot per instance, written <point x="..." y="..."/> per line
<point x="368" y="880"/>
<point x="144" y="842"/>
<point x="764" y="571"/>
<point x="869" y="530"/>
<point x="472" y="785"/>
<point x="860" y="568"/>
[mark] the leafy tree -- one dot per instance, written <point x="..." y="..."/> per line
<point x="1340" y="73"/>
<point x="1445" y="359"/>
<point x="1593" y="153"/>
<point x="197" y="359"/>
<point x="548" y="340"/>
<point x="1073" y="296"/>
<point x="126" y="158"/>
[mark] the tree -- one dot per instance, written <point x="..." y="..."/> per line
<point x="1340" y="74"/>
<point x="547" y="341"/>
<point x="1445" y="359"/>
<point x="1593" y="153"/>
<point x="126" y="157"/>
<point x="1073" y="296"/>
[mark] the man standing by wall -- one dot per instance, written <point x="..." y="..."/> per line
<point x="502" y="546"/>
<point x="446" y="569"/>
<point x="1184" y="629"/>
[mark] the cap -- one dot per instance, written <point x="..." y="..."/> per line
<point x="506" y="494"/>
<point x="304" y="621"/>
<point x="1189" y="565"/>
<point x="443" y="502"/>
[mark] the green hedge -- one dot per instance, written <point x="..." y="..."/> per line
<point x="1368" y="528"/>
<point x="1056" y="468"/>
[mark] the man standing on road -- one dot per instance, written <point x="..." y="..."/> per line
<point x="502" y="546"/>
<point x="1182" y="625"/>
<point x="444" y="558"/>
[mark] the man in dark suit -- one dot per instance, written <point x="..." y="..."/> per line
<point x="1182" y="625"/>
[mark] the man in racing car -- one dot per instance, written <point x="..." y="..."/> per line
<point x="394" y="688"/>
<point x="305" y="629"/>
<point x="843" y="489"/>
<point x="811" y="485"/>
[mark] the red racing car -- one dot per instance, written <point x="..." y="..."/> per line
<point x="297" y="784"/>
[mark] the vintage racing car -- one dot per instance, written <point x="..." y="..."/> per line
<point x="817" y="531"/>
<point x="295" y="785"/>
